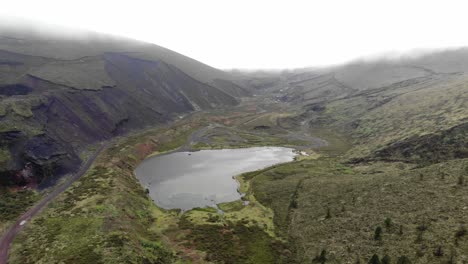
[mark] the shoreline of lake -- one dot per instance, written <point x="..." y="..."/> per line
<point x="187" y="180"/>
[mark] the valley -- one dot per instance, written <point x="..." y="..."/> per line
<point x="295" y="211"/>
<point x="381" y="175"/>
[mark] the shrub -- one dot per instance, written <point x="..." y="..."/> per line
<point x="403" y="260"/>
<point x="322" y="258"/>
<point x="213" y="218"/>
<point x="422" y="227"/>
<point x="293" y="204"/>
<point x="117" y="239"/>
<point x="374" y="260"/>
<point x="459" y="234"/>
<point x="378" y="233"/>
<point x="328" y="216"/>
<point x="461" y="180"/>
<point x="386" y="260"/>
<point x="438" y="252"/>
<point x="421" y="251"/>
<point x="419" y="238"/>
<point x="442" y="175"/>
<point x="13" y="203"/>
<point x="388" y="222"/>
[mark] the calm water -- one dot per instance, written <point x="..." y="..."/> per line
<point x="187" y="180"/>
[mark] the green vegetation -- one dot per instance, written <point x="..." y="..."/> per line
<point x="85" y="74"/>
<point x="369" y="193"/>
<point x="231" y="207"/>
<point x="21" y="110"/>
<point x="17" y="112"/>
<point x="110" y="215"/>
<point x="378" y="233"/>
<point x="320" y="202"/>
<point x="325" y="203"/>
<point x="322" y="258"/>
<point x="13" y="203"/>
<point x="109" y="210"/>
<point x="383" y="117"/>
<point x="374" y="194"/>
<point x="5" y="157"/>
<point x="233" y="243"/>
<point x="225" y="137"/>
<point x="123" y="225"/>
<point x="389" y="187"/>
<point x="3" y="109"/>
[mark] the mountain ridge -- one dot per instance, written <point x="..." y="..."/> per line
<point x="66" y="94"/>
<point x="381" y="169"/>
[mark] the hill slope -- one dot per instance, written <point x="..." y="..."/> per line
<point x="61" y="93"/>
<point x="398" y="190"/>
<point x="391" y="181"/>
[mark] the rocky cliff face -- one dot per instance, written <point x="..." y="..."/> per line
<point x="58" y="96"/>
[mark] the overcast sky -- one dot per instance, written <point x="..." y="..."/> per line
<point x="265" y="34"/>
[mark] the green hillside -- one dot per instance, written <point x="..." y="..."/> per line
<point x="61" y="94"/>
<point x="381" y="176"/>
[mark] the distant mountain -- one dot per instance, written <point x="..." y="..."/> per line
<point x="313" y="84"/>
<point x="412" y="109"/>
<point x="394" y="109"/>
<point x="62" y="92"/>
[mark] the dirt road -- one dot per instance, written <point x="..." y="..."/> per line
<point x="10" y="234"/>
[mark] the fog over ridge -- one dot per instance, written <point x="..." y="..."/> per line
<point x="23" y="29"/>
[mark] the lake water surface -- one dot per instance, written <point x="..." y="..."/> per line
<point x="185" y="180"/>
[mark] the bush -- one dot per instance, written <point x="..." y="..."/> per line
<point x="419" y="238"/>
<point x="374" y="260"/>
<point x="438" y="252"/>
<point x="322" y="258"/>
<point x="14" y="203"/>
<point x="422" y="227"/>
<point x="293" y="204"/>
<point x="459" y="234"/>
<point x="386" y="260"/>
<point x="388" y="222"/>
<point x="117" y="239"/>
<point x="403" y="260"/>
<point x="378" y="233"/>
<point x="328" y="216"/>
<point x="461" y="180"/>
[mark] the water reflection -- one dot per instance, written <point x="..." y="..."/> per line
<point x="186" y="180"/>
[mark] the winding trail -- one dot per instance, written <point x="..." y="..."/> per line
<point x="10" y="234"/>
